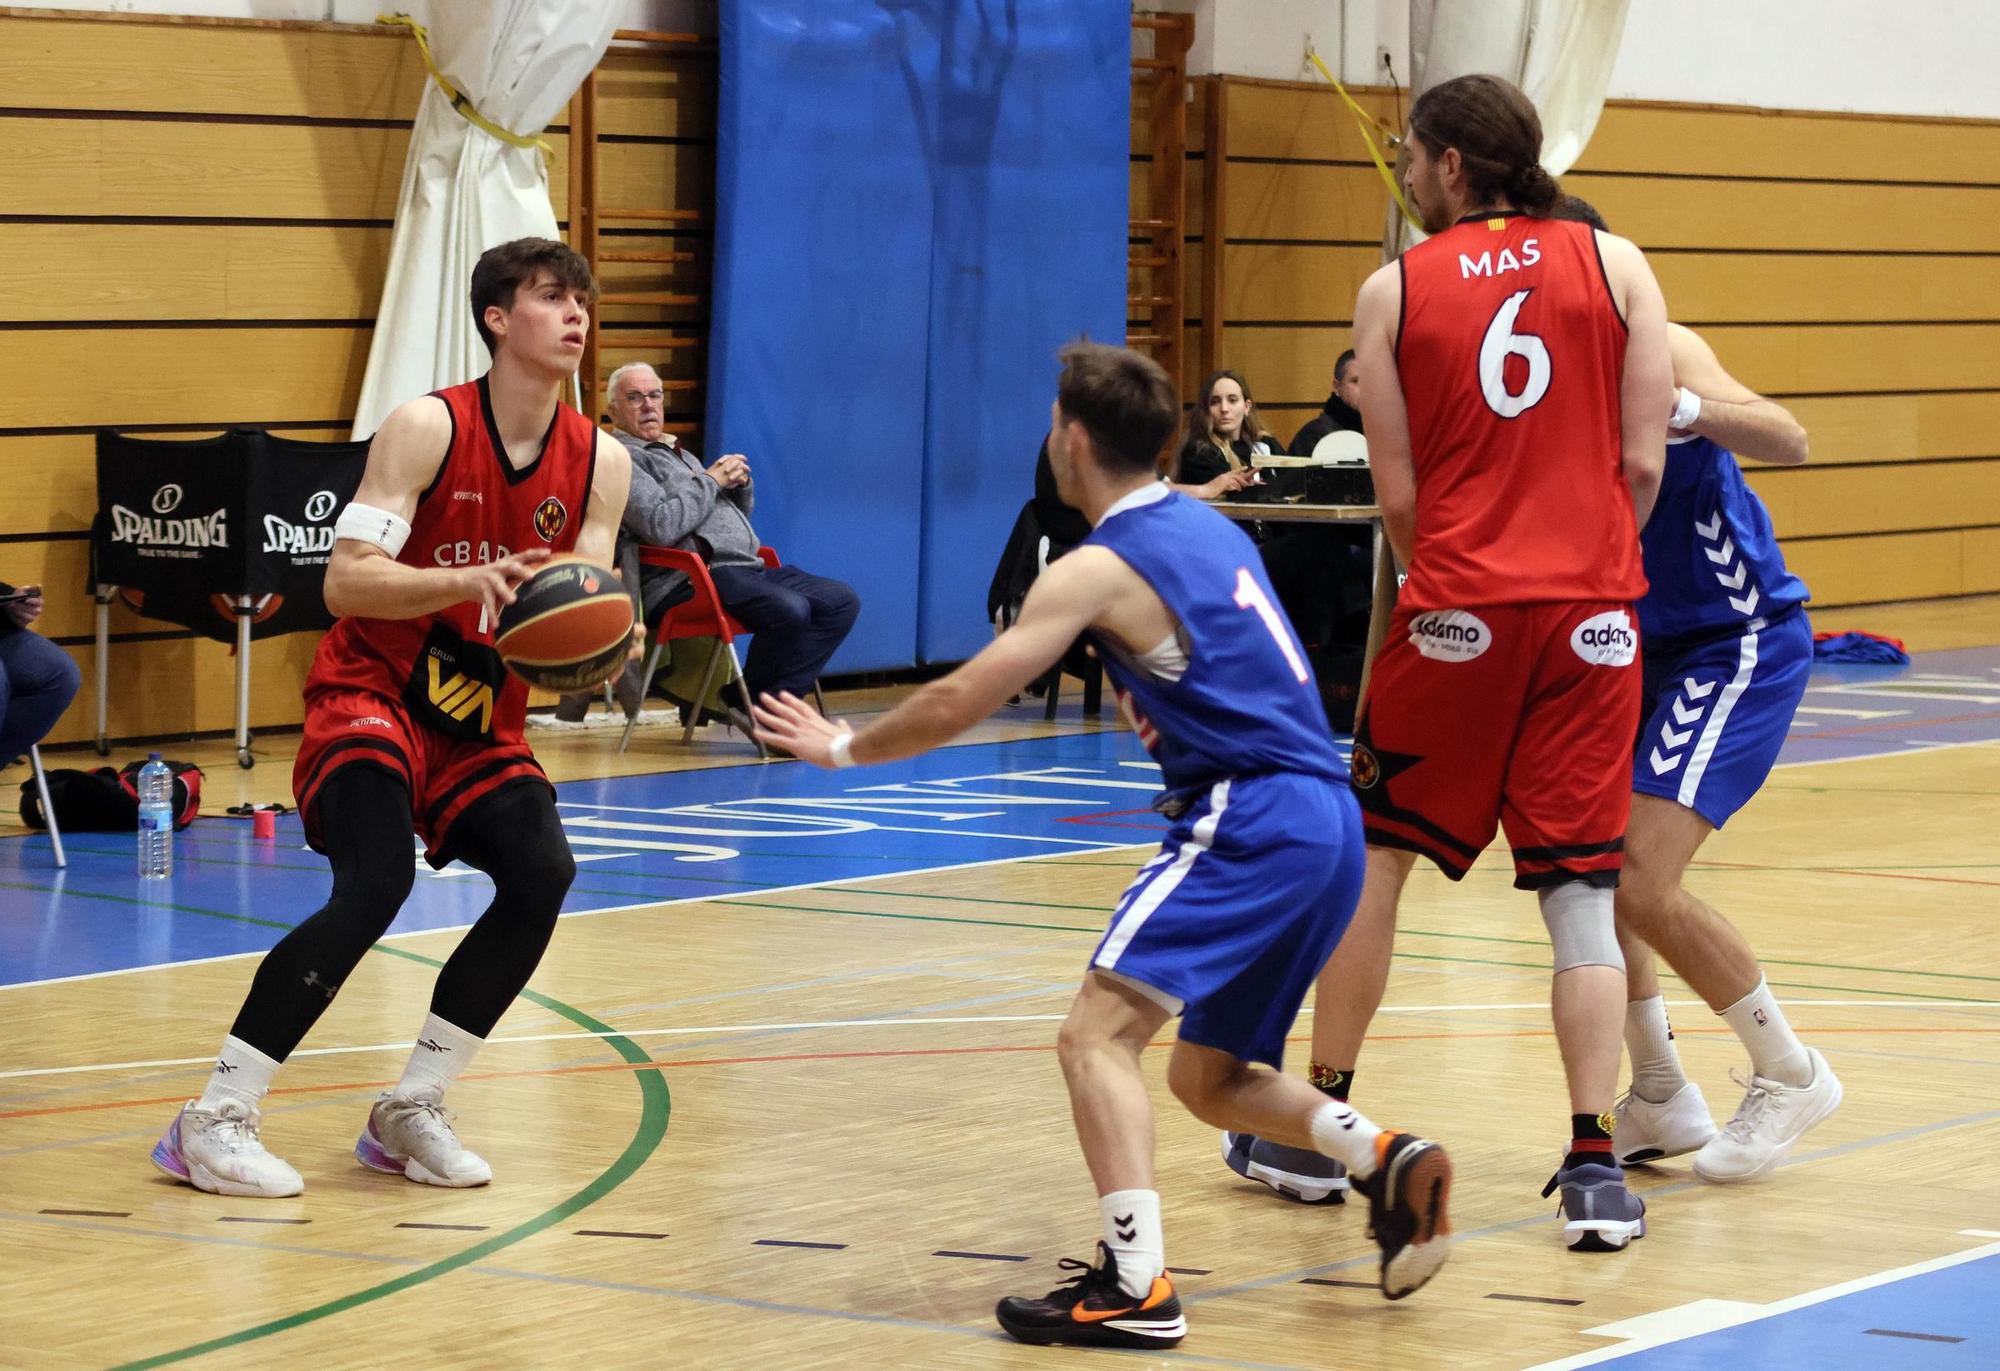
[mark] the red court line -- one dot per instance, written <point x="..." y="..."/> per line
<point x="880" y="1053"/>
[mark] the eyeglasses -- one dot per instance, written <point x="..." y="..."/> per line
<point x="632" y="395"/>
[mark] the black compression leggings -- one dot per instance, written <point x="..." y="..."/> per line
<point x="513" y="835"/>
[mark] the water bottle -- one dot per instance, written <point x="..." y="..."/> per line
<point x="156" y="819"/>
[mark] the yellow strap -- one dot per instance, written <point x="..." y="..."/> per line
<point x="1374" y="133"/>
<point x="458" y="100"/>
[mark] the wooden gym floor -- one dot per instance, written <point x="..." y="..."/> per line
<point x="818" y="1121"/>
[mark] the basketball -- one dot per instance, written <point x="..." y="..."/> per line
<point x="569" y="627"/>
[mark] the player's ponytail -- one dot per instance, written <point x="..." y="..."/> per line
<point x="1534" y="190"/>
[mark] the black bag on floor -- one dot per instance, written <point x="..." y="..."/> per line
<point x="107" y="801"/>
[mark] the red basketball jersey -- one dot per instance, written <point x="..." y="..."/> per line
<point x="1512" y="353"/>
<point x="478" y="508"/>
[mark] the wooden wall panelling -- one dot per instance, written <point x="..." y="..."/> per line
<point x="48" y="63"/>
<point x="1850" y="359"/>
<point x="1898" y="566"/>
<point x="190" y="168"/>
<point x="1303" y="202"/>
<point x="1295" y="282"/>
<point x="1795" y="216"/>
<point x="1900" y="428"/>
<point x="183" y="376"/>
<point x="1683" y="141"/>
<point x="59" y="273"/>
<point x="1817" y="501"/>
<point x="1756" y="287"/>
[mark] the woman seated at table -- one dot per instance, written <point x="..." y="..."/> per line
<point x="1224" y="439"/>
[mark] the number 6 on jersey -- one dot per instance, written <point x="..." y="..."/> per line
<point x="1497" y="346"/>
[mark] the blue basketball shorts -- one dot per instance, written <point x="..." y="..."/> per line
<point x="1231" y="921"/>
<point x="1717" y="713"/>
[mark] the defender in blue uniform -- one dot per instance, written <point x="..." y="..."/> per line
<point x="1228" y="924"/>
<point x="1727" y="653"/>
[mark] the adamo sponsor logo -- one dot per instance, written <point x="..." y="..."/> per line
<point x="1450" y="635"/>
<point x="1606" y="639"/>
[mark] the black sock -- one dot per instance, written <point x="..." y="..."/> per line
<point x="1332" y="1082"/>
<point x="1590" y="1140"/>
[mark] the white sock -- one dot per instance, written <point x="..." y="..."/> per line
<point x="1775" y="1053"/>
<point x="1656" y="1063"/>
<point x="242" y="1073"/>
<point x="1132" y="1232"/>
<point x="1344" y="1134"/>
<point x="441" y="1053"/>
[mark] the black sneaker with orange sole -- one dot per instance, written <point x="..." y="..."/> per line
<point x="1407" y="1198"/>
<point x="1092" y="1310"/>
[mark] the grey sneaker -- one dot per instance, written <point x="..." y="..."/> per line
<point x="1771" y="1118"/>
<point x="1599" y="1213"/>
<point x="1297" y="1173"/>
<point x="412" y="1138"/>
<point x="220" y="1151"/>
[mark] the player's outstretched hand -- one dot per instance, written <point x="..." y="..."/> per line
<point x="493" y="584"/>
<point x="786" y="721"/>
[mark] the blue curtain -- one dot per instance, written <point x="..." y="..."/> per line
<point x="917" y="202"/>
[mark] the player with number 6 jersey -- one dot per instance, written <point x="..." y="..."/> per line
<point x="1514" y="378"/>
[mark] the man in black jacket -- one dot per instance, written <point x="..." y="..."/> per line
<point x="1342" y="408"/>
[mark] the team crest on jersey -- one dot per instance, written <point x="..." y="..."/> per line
<point x="550" y="518"/>
<point x="1364" y="769"/>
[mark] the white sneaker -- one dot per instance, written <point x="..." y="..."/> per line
<point x="412" y="1138"/>
<point x="1648" y="1132"/>
<point x="219" y="1151"/>
<point x="1771" y="1118"/>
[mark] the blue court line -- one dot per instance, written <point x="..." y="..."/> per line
<point x="1947" y="1314"/>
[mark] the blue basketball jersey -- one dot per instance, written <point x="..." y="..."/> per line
<point x="1247" y="703"/>
<point x="1712" y="561"/>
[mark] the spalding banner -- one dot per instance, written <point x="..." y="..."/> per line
<point x="186" y="527"/>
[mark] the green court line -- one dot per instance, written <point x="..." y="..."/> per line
<point x="655" y="1106"/>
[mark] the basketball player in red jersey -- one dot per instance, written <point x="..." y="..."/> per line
<point x="1514" y="381"/>
<point x="413" y="725"/>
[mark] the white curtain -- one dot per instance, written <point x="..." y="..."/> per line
<point x="518" y="62"/>
<point x="1559" y="51"/>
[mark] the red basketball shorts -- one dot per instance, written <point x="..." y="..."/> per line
<point x="445" y="776"/>
<point x="1514" y="716"/>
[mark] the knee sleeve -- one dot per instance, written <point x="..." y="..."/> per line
<point x="1582" y="928"/>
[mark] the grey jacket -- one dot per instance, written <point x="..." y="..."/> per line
<point x="674" y="503"/>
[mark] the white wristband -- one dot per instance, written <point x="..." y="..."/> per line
<point x="837" y="750"/>
<point x="1687" y="409"/>
<point x="367" y="524"/>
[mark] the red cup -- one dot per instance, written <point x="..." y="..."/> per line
<point x="264" y="823"/>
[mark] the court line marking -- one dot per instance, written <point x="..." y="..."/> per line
<point x="876" y="1054"/>
<point x="660" y="1292"/>
<point x="608" y="909"/>
<point x="656" y="1105"/>
<point x="957" y="1019"/>
<point x="1600" y="1356"/>
<point x="1547" y="1217"/>
<point x="857" y="1316"/>
<point x="848" y="880"/>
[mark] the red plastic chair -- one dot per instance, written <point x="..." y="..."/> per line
<point x="700" y="617"/>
